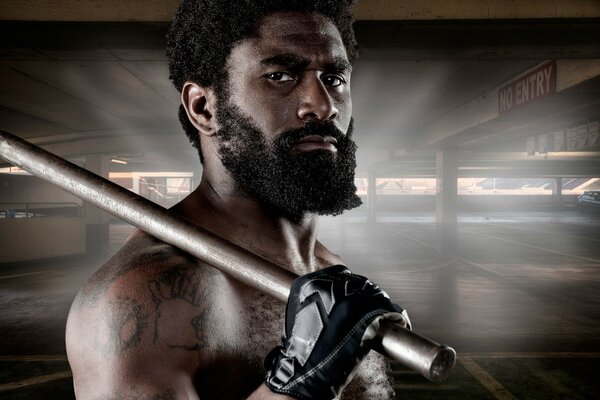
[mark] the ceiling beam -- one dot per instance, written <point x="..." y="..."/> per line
<point x="540" y="171"/>
<point x="379" y="40"/>
<point x="486" y="108"/>
<point x="163" y="10"/>
<point x="498" y="165"/>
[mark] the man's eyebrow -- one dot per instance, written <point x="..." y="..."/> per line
<point x="291" y="61"/>
<point x="296" y="62"/>
<point x="340" y="64"/>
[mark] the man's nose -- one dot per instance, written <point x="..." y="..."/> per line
<point x="315" y="102"/>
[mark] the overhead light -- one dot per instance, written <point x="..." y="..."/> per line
<point x="118" y="161"/>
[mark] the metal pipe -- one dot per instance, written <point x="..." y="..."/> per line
<point x="432" y="360"/>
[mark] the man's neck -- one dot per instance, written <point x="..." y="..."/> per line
<point x="243" y="220"/>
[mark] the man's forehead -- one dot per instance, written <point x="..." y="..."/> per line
<point x="305" y="34"/>
<point x="295" y="23"/>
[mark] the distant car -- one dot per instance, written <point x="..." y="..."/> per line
<point x="589" y="201"/>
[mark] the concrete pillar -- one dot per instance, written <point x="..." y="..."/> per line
<point x="447" y="199"/>
<point x="557" y="191"/>
<point x="136" y="183"/>
<point x="96" y="221"/>
<point x="372" y="197"/>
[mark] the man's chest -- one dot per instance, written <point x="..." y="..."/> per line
<point x="249" y="331"/>
<point x="244" y="328"/>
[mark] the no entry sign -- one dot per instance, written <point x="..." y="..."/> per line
<point x="528" y="87"/>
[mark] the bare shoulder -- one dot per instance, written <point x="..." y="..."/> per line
<point x="141" y="326"/>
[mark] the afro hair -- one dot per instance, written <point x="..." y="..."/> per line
<point x="203" y="33"/>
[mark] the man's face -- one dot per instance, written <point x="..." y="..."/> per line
<point x="285" y="117"/>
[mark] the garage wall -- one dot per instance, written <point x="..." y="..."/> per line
<point x="23" y="239"/>
<point x="29" y="189"/>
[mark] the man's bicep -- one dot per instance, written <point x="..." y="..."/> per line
<point x="139" y="374"/>
<point x="110" y="368"/>
<point x="126" y="345"/>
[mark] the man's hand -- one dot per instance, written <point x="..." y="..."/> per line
<point x="331" y="316"/>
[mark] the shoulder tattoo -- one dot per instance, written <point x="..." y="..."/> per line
<point x="126" y="320"/>
<point x="183" y="290"/>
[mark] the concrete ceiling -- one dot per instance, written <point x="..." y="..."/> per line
<point x="103" y="87"/>
<point x="377" y="10"/>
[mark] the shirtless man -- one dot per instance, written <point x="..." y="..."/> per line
<point x="265" y="89"/>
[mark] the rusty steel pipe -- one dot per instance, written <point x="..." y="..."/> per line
<point x="430" y="359"/>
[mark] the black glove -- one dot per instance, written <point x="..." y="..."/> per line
<point x="330" y="318"/>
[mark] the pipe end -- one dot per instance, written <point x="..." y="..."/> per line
<point x="442" y="364"/>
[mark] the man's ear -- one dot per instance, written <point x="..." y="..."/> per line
<point x="200" y="105"/>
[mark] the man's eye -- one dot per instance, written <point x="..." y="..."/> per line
<point x="280" y="77"/>
<point x="333" y="80"/>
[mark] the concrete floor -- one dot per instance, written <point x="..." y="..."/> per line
<point x="520" y="304"/>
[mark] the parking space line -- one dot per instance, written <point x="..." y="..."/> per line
<point x="535" y="231"/>
<point x="594" y="260"/>
<point x="463" y="260"/>
<point x="409" y="237"/>
<point x="35" y="381"/>
<point x="425" y="387"/>
<point x="499" y="391"/>
<point x="399" y="273"/>
<point x="533" y="355"/>
<point x="20" y="275"/>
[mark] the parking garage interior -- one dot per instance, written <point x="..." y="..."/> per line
<point x="478" y="132"/>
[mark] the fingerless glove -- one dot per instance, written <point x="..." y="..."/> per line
<point x="331" y="317"/>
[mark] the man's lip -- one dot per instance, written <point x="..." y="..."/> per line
<point x="316" y="142"/>
<point x="317" y="139"/>
<point x="310" y="146"/>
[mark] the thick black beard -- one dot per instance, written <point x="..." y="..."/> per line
<point x="319" y="181"/>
